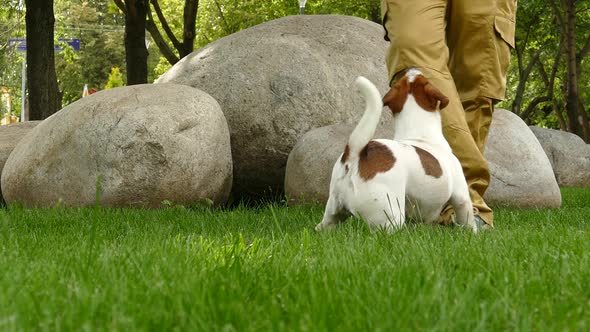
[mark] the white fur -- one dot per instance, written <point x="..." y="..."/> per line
<point x="412" y="73"/>
<point x="384" y="200"/>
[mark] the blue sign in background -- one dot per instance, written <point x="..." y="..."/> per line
<point x="21" y="44"/>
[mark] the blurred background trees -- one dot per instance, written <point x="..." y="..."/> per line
<point x="549" y="79"/>
<point x="548" y="83"/>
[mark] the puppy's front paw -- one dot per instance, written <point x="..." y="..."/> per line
<point x="324" y="226"/>
<point x="318" y="227"/>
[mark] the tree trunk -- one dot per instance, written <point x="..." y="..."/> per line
<point x="532" y="106"/>
<point x="160" y="42"/>
<point x="517" y="101"/>
<point x="41" y="77"/>
<point x="524" y="74"/>
<point x="190" y="23"/>
<point x="135" y="51"/>
<point x="583" y="118"/>
<point x="581" y="109"/>
<point x="187" y="45"/>
<point x="575" y="119"/>
<point x="557" y="111"/>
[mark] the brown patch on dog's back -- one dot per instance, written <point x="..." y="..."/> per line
<point x="426" y="95"/>
<point x="375" y="158"/>
<point x="429" y="163"/>
<point x="345" y="154"/>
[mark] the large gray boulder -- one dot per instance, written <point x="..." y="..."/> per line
<point x="569" y="156"/>
<point x="10" y="135"/>
<point x="137" y="145"/>
<point x="278" y="80"/>
<point x="521" y="173"/>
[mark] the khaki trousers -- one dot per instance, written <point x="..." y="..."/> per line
<point x="463" y="48"/>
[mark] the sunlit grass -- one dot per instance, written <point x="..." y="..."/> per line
<point x="265" y="269"/>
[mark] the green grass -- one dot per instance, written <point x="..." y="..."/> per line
<point x="266" y="270"/>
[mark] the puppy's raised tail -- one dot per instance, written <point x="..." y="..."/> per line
<point x="365" y="129"/>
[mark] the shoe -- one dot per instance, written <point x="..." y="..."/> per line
<point x="480" y="224"/>
<point x="447" y="216"/>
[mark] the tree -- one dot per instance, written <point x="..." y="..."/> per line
<point x="183" y="48"/>
<point x="101" y="33"/>
<point x="177" y="36"/>
<point x="12" y="25"/>
<point x="139" y="17"/>
<point x="367" y="9"/>
<point x="115" y="79"/>
<point x="577" y="117"/>
<point x="551" y="46"/>
<point x="208" y="20"/>
<point x="44" y="98"/>
<point x="136" y="53"/>
<point x="528" y="50"/>
<point x="219" y="18"/>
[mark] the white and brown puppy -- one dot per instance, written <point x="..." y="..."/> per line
<point x="416" y="173"/>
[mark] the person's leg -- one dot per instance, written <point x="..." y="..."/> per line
<point x="479" y="35"/>
<point x="417" y="31"/>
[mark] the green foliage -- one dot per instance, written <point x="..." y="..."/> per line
<point x="162" y="67"/>
<point x="219" y="18"/>
<point x="538" y="31"/>
<point x="115" y="79"/>
<point x="12" y="25"/>
<point x="10" y="9"/>
<point x="100" y="26"/>
<point x="367" y="9"/>
<point x="101" y="35"/>
<point x="265" y="269"/>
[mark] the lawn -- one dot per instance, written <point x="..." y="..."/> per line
<point x="265" y="269"/>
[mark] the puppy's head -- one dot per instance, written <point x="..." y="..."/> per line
<point x="414" y="83"/>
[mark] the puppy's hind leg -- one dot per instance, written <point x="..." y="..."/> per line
<point x="460" y="199"/>
<point x="463" y="210"/>
<point x="333" y="215"/>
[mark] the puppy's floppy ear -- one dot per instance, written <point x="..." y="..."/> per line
<point x="396" y="97"/>
<point x="435" y="94"/>
<point x="427" y="95"/>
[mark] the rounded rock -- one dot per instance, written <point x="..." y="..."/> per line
<point x="569" y="156"/>
<point x="521" y="174"/>
<point x="10" y="135"/>
<point x="278" y="80"/>
<point x="133" y="146"/>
